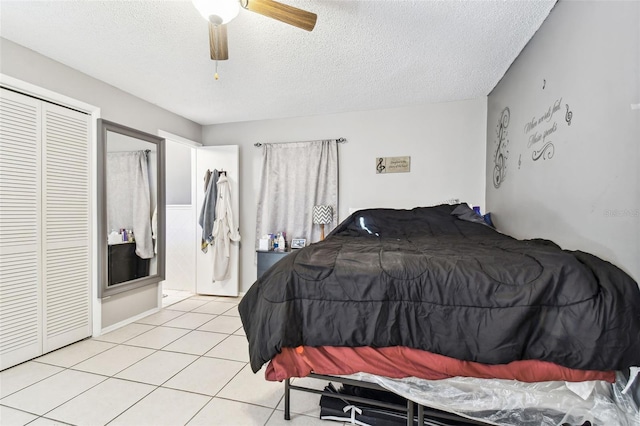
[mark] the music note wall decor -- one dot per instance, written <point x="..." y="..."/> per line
<point x="393" y="165"/>
<point x="502" y="153"/>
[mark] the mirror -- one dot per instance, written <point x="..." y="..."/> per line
<point x="131" y="208"/>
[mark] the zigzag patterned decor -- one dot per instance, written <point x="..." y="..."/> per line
<point x="322" y="215"/>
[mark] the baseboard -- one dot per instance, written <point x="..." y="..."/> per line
<point x="127" y="322"/>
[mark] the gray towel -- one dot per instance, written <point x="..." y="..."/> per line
<point x="208" y="211"/>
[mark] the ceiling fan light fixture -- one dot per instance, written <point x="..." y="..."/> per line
<point x="217" y="11"/>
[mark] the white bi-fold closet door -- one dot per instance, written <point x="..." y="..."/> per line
<point x="45" y="240"/>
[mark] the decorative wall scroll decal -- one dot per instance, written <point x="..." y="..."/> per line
<point x="502" y="153"/>
<point x="546" y="152"/>
<point x="544" y="83"/>
<point x="519" y="161"/>
<point x="568" y="115"/>
<point x="380" y="165"/>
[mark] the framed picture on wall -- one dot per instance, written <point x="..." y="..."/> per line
<point x="297" y="243"/>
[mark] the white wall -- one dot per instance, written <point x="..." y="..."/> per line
<point x="117" y="106"/>
<point x="587" y="195"/>
<point x="446" y="143"/>
<point x="180" y="264"/>
<point x="178" y="173"/>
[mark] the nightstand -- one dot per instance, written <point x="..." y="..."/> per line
<point x="266" y="259"/>
<point x="124" y="263"/>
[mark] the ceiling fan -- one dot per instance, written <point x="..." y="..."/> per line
<point x="219" y="12"/>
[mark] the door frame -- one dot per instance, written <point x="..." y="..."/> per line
<point x="170" y="137"/>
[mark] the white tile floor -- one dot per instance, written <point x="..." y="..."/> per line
<point x="187" y="364"/>
<point x="169" y="296"/>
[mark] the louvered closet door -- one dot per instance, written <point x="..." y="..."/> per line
<point x="20" y="232"/>
<point x="66" y="227"/>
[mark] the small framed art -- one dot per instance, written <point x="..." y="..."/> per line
<point x="297" y="243"/>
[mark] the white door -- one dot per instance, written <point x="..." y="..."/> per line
<point x="66" y="233"/>
<point x="180" y="260"/>
<point x="45" y="235"/>
<point x="20" y="228"/>
<point x="220" y="158"/>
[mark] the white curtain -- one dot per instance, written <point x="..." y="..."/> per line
<point x="129" y="198"/>
<point x="295" y="177"/>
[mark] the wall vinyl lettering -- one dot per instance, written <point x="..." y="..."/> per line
<point x="502" y="153"/>
<point x="541" y="129"/>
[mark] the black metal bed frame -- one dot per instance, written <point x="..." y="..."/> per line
<point x="409" y="409"/>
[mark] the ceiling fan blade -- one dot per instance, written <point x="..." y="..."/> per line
<point x="282" y="12"/>
<point x="218" y="42"/>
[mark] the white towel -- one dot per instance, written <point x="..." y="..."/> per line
<point x="224" y="231"/>
<point x="154" y="229"/>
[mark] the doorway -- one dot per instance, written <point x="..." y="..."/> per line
<point x="189" y="270"/>
<point x="181" y="214"/>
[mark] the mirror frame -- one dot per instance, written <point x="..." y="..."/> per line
<point x="104" y="289"/>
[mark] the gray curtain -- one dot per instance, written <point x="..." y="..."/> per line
<point x="295" y="177"/>
<point x="129" y="199"/>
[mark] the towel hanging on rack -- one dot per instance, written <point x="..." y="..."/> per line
<point x="208" y="211"/>
<point x="224" y="231"/>
<point x="207" y="178"/>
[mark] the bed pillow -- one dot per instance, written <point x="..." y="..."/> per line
<point x="464" y="212"/>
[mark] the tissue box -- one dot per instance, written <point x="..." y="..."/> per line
<point x="264" y="244"/>
<point x="114" y="238"/>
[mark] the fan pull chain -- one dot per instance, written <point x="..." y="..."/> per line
<point x="215" y="49"/>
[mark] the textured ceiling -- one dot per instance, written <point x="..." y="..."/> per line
<point x="362" y="55"/>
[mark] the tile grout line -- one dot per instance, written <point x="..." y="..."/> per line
<point x="70" y="368"/>
<point x="155" y="350"/>
<point x="156" y="387"/>
<point x="21" y="410"/>
<point x="113" y="376"/>
<point x="196" y="359"/>
<point x="64" y="368"/>
<point x="199" y="357"/>
<point x="74" y="397"/>
<point x="44" y="378"/>
<point x="131" y="406"/>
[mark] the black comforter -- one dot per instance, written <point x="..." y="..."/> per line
<point x="426" y="279"/>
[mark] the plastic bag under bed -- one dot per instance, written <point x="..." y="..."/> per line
<point x="509" y="402"/>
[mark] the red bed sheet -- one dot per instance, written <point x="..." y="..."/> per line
<point x="398" y="362"/>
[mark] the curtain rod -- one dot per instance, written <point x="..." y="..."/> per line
<point x="339" y="140"/>
<point x="146" y="151"/>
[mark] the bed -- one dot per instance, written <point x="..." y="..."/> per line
<point x="440" y="281"/>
